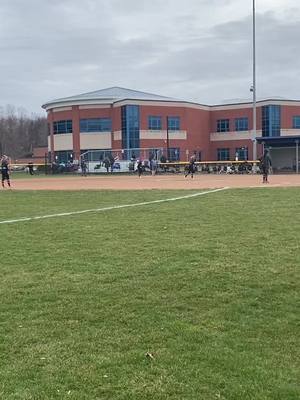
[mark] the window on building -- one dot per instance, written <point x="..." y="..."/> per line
<point x="197" y="155"/>
<point x="154" y="123"/>
<point x="241" y="153"/>
<point x="130" y="116"/>
<point x="241" y="124"/>
<point x="271" y="120"/>
<point x="174" y="123"/>
<point x="296" y="122"/>
<point x="174" y="154"/>
<point x="63" y="157"/>
<point x="62" y="127"/>
<point x="95" y="155"/>
<point x="223" y="125"/>
<point x="95" y="125"/>
<point x="154" y="153"/>
<point x="223" y="154"/>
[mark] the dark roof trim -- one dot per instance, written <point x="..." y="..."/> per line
<point x="278" y="139"/>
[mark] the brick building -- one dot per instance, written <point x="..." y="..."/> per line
<point x="126" y="121"/>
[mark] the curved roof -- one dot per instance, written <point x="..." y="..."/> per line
<point x="116" y="94"/>
<point x="108" y="96"/>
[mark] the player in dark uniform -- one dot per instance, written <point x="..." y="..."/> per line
<point x="140" y="167"/>
<point x="265" y="165"/>
<point x="191" y="168"/>
<point x="5" y="170"/>
<point x="30" y="168"/>
<point x="83" y="167"/>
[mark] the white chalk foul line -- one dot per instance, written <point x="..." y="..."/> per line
<point x="93" y="210"/>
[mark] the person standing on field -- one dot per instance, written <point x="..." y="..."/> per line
<point x="265" y="165"/>
<point x="83" y="167"/>
<point x="106" y="164"/>
<point x="30" y="168"/>
<point x="140" y="167"/>
<point x="153" y="166"/>
<point x="112" y="162"/>
<point x="5" y="168"/>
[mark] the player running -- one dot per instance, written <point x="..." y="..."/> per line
<point x="191" y="168"/>
<point x="5" y="170"/>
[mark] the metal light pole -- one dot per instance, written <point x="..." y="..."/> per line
<point x="254" y="87"/>
<point x="168" y="151"/>
<point x="297" y="156"/>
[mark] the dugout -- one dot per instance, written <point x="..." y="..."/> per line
<point x="284" y="152"/>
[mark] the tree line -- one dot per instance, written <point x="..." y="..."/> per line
<point x="21" y="132"/>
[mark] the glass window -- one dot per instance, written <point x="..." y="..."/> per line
<point x="223" y="125"/>
<point x="60" y="127"/>
<point x="154" y="123"/>
<point x="271" y="120"/>
<point x="95" y="155"/>
<point x="95" y="125"/>
<point x="223" y="154"/>
<point x="296" y="122"/>
<point x="154" y="153"/>
<point x="174" y="123"/>
<point x="174" y="154"/>
<point x="241" y="153"/>
<point x="197" y="155"/>
<point x="63" y="157"/>
<point x="130" y="116"/>
<point x="241" y="124"/>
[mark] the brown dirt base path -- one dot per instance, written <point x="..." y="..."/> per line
<point x="166" y="182"/>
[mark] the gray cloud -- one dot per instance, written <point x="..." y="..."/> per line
<point x="198" y="50"/>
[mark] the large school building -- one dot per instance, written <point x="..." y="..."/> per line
<point x="130" y="123"/>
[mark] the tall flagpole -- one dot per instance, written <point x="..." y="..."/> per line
<point x="254" y="86"/>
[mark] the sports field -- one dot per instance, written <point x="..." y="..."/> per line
<point x="207" y="284"/>
<point x="147" y="182"/>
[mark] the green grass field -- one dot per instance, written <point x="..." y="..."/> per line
<point x="208" y="285"/>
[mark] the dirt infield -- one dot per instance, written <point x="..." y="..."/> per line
<point x="119" y="182"/>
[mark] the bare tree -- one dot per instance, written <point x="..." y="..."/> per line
<point x="19" y="132"/>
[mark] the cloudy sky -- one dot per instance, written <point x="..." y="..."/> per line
<point x="197" y="50"/>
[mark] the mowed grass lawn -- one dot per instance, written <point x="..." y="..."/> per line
<point x="208" y="285"/>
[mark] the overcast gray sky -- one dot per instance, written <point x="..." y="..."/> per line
<point x="197" y="50"/>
